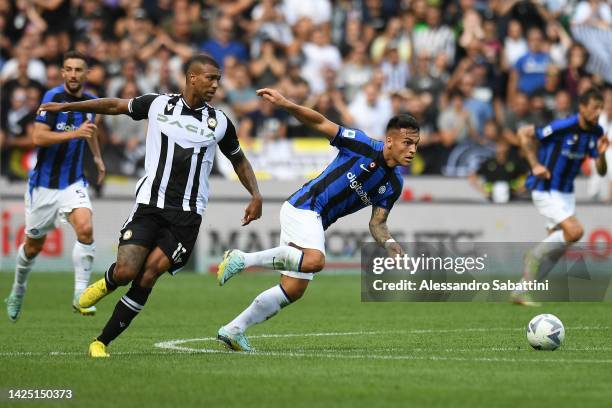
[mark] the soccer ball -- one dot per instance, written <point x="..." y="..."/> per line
<point x="545" y="332"/>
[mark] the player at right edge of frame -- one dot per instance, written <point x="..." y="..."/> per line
<point x="555" y="163"/>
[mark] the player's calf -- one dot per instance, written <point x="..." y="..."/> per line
<point x="293" y="288"/>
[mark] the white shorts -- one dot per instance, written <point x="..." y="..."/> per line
<point x="554" y="206"/>
<point x="44" y="207"/>
<point x="302" y="228"/>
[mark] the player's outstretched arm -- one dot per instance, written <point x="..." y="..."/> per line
<point x="107" y="106"/>
<point x="600" y="163"/>
<point x="246" y="175"/>
<point x="44" y="136"/>
<point x="528" y="141"/>
<point x="380" y="231"/>
<point x="305" y="115"/>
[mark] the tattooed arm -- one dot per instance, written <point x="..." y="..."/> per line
<point x="380" y="231"/>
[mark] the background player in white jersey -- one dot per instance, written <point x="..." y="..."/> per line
<point x="555" y="163"/>
<point x="57" y="189"/>
<point x="366" y="172"/>
<point x="182" y="135"/>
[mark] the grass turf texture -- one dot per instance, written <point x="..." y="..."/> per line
<point x="417" y="354"/>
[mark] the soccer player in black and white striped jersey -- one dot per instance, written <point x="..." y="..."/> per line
<point x="159" y="235"/>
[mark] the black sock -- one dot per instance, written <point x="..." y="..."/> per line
<point x="108" y="278"/>
<point x="127" y="308"/>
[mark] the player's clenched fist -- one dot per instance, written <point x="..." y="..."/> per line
<point x="540" y="171"/>
<point x="86" y="130"/>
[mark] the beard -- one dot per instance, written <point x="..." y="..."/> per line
<point x="74" y="87"/>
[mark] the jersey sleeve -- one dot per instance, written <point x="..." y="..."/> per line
<point x="391" y="195"/>
<point x="139" y="107"/>
<point x="229" y="145"/>
<point x="354" y="141"/>
<point x="48" y="118"/>
<point x="556" y="128"/>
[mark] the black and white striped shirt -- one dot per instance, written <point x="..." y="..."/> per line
<point x="180" y="149"/>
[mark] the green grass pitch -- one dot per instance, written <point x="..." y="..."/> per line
<point x="329" y="349"/>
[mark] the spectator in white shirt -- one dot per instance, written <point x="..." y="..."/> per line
<point x="515" y="45"/>
<point x="319" y="11"/>
<point x="371" y="111"/>
<point x="319" y="53"/>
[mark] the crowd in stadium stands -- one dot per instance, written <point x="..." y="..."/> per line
<point x="471" y="71"/>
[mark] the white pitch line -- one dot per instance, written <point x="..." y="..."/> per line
<point x="174" y="347"/>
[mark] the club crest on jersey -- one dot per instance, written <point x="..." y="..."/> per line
<point x="382" y="189"/>
<point x="373" y="165"/>
<point x="212" y="123"/>
<point x="127" y="235"/>
<point x="348" y="133"/>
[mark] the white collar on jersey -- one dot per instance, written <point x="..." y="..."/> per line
<point x="205" y="106"/>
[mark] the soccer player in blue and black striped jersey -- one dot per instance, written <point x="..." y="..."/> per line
<point x="555" y="162"/>
<point x="57" y="188"/>
<point x="364" y="173"/>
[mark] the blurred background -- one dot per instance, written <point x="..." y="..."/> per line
<point x="470" y="71"/>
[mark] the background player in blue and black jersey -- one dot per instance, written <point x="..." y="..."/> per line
<point x="57" y="190"/>
<point x="555" y="161"/>
<point x="364" y="173"/>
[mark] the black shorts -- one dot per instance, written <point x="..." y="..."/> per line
<point x="173" y="231"/>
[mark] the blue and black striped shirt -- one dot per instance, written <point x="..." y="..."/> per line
<point x="60" y="165"/>
<point x="563" y="147"/>
<point x="358" y="177"/>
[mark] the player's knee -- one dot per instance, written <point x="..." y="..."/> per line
<point x="314" y="261"/>
<point x="84" y="232"/>
<point x="318" y="262"/>
<point x="574" y="233"/>
<point x="123" y="274"/>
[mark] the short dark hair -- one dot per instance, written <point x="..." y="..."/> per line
<point x="403" y="121"/>
<point x="204" y="59"/>
<point x="75" y="55"/>
<point x="455" y="93"/>
<point x="591" y="93"/>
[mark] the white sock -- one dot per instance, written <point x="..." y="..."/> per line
<point x="22" y="269"/>
<point x="82" y="257"/>
<point x="551" y="244"/>
<point x="264" y="306"/>
<point x="285" y="257"/>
